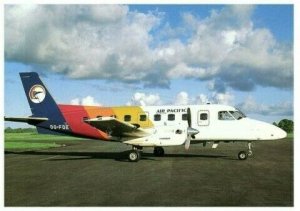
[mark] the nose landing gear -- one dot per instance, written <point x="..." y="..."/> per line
<point x="250" y="149"/>
<point x="244" y="155"/>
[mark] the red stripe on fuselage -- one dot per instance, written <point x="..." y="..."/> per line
<point x="74" y="115"/>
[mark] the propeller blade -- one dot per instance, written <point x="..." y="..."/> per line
<point x="192" y="131"/>
<point x="189" y="117"/>
<point x="187" y="142"/>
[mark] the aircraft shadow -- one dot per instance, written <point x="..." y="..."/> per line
<point x="118" y="156"/>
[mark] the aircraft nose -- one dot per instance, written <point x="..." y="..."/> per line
<point x="279" y="133"/>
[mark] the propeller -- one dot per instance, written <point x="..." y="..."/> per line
<point x="190" y="131"/>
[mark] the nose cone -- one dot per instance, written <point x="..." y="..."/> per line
<point x="192" y="131"/>
<point x="279" y="133"/>
<point x="265" y="131"/>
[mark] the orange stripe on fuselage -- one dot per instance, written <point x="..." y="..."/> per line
<point x="74" y="115"/>
<point x="94" y="112"/>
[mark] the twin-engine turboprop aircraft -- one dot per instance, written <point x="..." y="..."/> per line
<point x="143" y="126"/>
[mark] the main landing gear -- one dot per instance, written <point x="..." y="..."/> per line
<point x="135" y="154"/>
<point x="244" y="155"/>
<point x="158" y="151"/>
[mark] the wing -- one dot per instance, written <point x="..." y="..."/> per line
<point x="29" y="120"/>
<point x="115" y="127"/>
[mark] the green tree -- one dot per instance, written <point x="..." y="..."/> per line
<point x="8" y="130"/>
<point x="286" y="125"/>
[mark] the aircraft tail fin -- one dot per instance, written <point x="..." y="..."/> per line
<point x="40" y="100"/>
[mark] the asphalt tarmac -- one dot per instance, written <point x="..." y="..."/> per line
<point x="94" y="173"/>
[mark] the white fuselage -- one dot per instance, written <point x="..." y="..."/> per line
<point x="214" y="123"/>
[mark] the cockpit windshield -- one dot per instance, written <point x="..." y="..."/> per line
<point x="237" y="114"/>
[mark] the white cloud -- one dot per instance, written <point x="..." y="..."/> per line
<point x="223" y="98"/>
<point x="251" y="106"/>
<point x="88" y="100"/>
<point x="109" y="13"/>
<point x="75" y="101"/>
<point x="113" y="42"/>
<point x="202" y="99"/>
<point x="143" y="99"/>
<point x="182" y="98"/>
<point x="229" y="37"/>
<point x="181" y="70"/>
<point x="82" y="41"/>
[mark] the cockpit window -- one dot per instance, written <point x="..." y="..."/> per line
<point x="224" y="115"/>
<point x="241" y="113"/>
<point x="237" y="114"/>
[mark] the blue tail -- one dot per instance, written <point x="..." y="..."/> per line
<point x="40" y="100"/>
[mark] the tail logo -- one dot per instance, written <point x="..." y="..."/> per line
<point x="37" y="93"/>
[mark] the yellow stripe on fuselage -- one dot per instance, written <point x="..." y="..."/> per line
<point x="134" y="112"/>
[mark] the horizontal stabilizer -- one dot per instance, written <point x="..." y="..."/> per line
<point x="115" y="127"/>
<point x="29" y="120"/>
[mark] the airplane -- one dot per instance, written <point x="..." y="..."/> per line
<point x="143" y="126"/>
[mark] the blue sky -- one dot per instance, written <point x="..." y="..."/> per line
<point x="153" y="55"/>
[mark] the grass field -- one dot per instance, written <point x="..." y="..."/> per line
<point x="36" y="141"/>
<point x="290" y="135"/>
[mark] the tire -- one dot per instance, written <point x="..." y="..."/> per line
<point x="242" y="155"/>
<point x="134" y="156"/>
<point x="159" y="151"/>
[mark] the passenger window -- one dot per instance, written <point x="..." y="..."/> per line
<point x="203" y="116"/>
<point x="184" y="117"/>
<point x="171" y="117"/>
<point x="127" y="118"/>
<point x="224" y="115"/>
<point x="143" y="117"/>
<point x="157" y="117"/>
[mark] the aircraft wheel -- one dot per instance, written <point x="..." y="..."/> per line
<point x="242" y="155"/>
<point x="159" y="151"/>
<point x="134" y="156"/>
